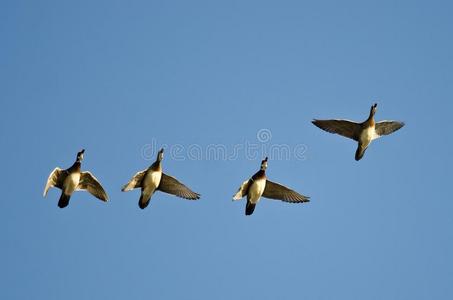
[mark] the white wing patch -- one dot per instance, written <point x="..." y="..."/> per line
<point x="242" y="190"/>
<point x="135" y="182"/>
<point x="55" y="180"/>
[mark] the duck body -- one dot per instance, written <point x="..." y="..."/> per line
<point x="73" y="179"/>
<point x="153" y="179"/>
<point x="255" y="191"/>
<point x="366" y="134"/>
<point x="363" y="133"/>
<point x="259" y="186"/>
<point x="151" y="182"/>
<point x="70" y="184"/>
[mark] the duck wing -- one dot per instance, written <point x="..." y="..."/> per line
<point x="171" y="185"/>
<point x="135" y="182"/>
<point x="243" y="190"/>
<point x="56" y="179"/>
<point x="90" y="183"/>
<point x="387" y="127"/>
<point x="279" y="192"/>
<point x="345" y="128"/>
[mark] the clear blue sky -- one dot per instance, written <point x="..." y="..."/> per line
<point x="114" y="76"/>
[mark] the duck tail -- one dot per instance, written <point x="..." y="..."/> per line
<point x="143" y="202"/>
<point x="359" y="152"/>
<point x="249" y="208"/>
<point x="64" y="200"/>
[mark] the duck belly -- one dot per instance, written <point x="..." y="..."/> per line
<point x="256" y="190"/>
<point x="367" y="136"/>
<point x="70" y="183"/>
<point x="151" y="181"/>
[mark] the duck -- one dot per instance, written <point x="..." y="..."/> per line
<point x="153" y="179"/>
<point x="363" y="133"/>
<point x="259" y="186"/>
<point x="72" y="179"/>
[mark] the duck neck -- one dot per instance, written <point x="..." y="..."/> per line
<point x="76" y="166"/>
<point x="259" y="175"/>
<point x="157" y="165"/>
<point x="371" y="116"/>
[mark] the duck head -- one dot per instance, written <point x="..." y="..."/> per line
<point x="264" y="164"/>
<point x="160" y="155"/>
<point x="373" y="109"/>
<point x="80" y="155"/>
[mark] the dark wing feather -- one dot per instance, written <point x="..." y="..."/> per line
<point x="56" y="179"/>
<point x="279" y="192"/>
<point x="90" y="183"/>
<point x="171" y="185"/>
<point x="345" y="128"/>
<point x="387" y="127"/>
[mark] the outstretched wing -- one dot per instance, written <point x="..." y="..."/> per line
<point x="90" y="183"/>
<point x="56" y="179"/>
<point x="243" y="190"/>
<point x="135" y="182"/>
<point x="345" y="128"/>
<point x="279" y="192"/>
<point x="387" y="127"/>
<point x="171" y="185"/>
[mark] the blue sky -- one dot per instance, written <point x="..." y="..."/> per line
<point x="113" y="77"/>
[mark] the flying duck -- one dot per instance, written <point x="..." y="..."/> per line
<point x="73" y="179"/>
<point x="259" y="185"/>
<point x="363" y="133"/>
<point x="153" y="179"/>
